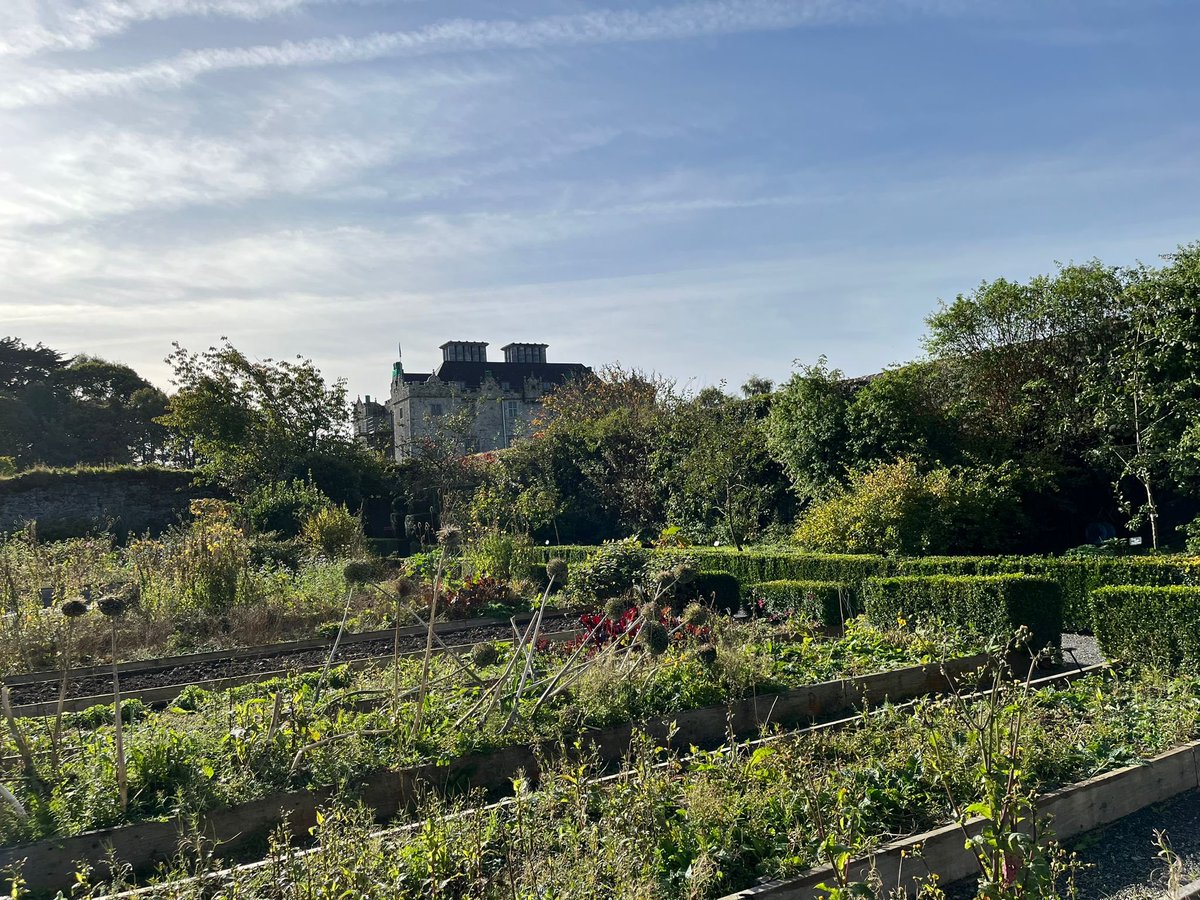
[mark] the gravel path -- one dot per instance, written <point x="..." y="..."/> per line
<point x="1122" y="861"/>
<point x="191" y="673"/>
<point x="1082" y="649"/>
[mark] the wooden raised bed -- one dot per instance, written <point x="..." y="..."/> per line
<point x="1074" y="810"/>
<point x="49" y="864"/>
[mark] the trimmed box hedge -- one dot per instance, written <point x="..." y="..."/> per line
<point x="826" y="602"/>
<point x="721" y="589"/>
<point x="991" y="606"/>
<point x="1156" y="626"/>
<point x="1077" y="577"/>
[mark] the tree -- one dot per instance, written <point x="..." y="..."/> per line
<point x="253" y="422"/>
<point x="1145" y="395"/>
<point x="1014" y="359"/>
<point x="806" y="429"/>
<point x="610" y="423"/>
<point x="898" y="413"/>
<point x="713" y="458"/>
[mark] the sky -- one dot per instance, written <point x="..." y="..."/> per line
<point x="704" y="188"/>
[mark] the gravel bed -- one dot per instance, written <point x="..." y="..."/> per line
<point x="192" y="673"/>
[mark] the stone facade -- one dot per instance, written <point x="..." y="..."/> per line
<point x="504" y="396"/>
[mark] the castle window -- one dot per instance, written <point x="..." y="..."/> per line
<point x="511" y="408"/>
<point x="435" y="409"/>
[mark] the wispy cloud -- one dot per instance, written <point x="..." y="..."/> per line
<point x="681" y="22"/>
<point x="29" y="27"/>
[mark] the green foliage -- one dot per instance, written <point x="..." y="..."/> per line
<point x="1077" y="577"/>
<point x="333" y="532"/>
<point x="610" y="570"/>
<point x="806" y="429"/>
<point x="282" y="507"/>
<point x="899" y="509"/>
<point x="990" y="606"/>
<point x="62" y="412"/>
<point x="1149" y="626"/>
<point x="828" y="603"/>
<point x="499" y="554"/>
<point x="712" y="458"/>
<point x="716" y="822"/>
<point x="254" y="422"/>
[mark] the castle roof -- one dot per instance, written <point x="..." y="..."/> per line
<point x="471" y="374"/>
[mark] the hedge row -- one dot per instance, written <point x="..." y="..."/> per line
<point x="989" y="606"/>
<point x="1077" y="577"/>
<point x="1158" y="626"/>
<point x="827" y="602"/>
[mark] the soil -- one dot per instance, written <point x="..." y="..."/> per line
<point x="196" y="672"/>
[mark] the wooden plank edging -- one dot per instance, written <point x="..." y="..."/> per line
<point x="1074" y="809"/>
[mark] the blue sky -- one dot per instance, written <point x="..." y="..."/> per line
<point x="707" y="189"/>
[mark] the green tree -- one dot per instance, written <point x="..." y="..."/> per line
<point x="713" y="459"/>
<point x="253" y="422"/>
<point x="806" y="429"/>
<point x="1014" y="359"/>
<point x="899" y="413"/>
<point x="1145" y="395"/>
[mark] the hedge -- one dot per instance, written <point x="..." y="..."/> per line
<point x="1157" y="626"/>
<point x="1077" y="577"/>
<point x="721" y="589"/>
<point x="990" y="606"/>
<point x="827" y="602"/>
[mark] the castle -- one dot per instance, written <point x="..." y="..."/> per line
<point x="504" y="395"/>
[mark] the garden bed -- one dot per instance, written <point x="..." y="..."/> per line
<point x="144" y="845"/>
<point x="647" y="817"/>
<point x="1073" y="810"/>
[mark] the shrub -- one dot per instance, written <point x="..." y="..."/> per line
<point x="499" y="554"/>
<point x="333" y="532"/>
<point x="610" y="570"/>
<point x="898" y="509"/>
<point x="1077" y="577"/>
<point x="989" y="606"/>
<point x="827" y="602"/>
<point x="1155" y="626"/>
<point x="721" y="590"/>
<point x="282" y="507"/>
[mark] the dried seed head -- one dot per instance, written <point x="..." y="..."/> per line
<point x="450" y="536"/>
<point x="484" y="655"/>
<point x="403" y="588"/>
<point x="662" y="577"/>
<point x="650" y="612"/>
<point x="111" y="605"/>
<point x="684" y="573"/>
<point x="74" y="608"/>
<point x="707" y="654"/>
<point x="359" y="571"/>
<point x="695" y="614"/>
<point x="615" y="608"/>
<point x="129" y="593"/>
<point x="557" y="570"/>
<point x="654" y="637"/>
